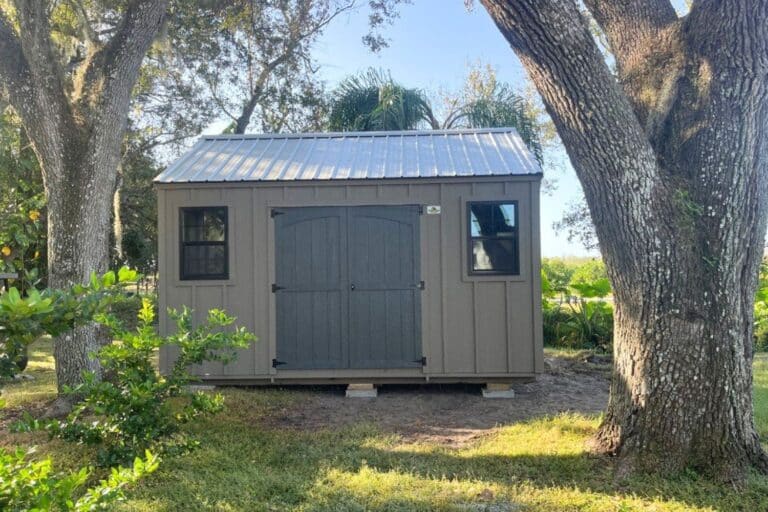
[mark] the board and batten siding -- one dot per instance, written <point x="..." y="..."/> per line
<point x="472" y="326"/>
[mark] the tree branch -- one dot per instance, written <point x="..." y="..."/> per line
<point x="643" y="33"/>
<point x="14" y="69"/>
<point x="604" y="140"/>
<point x="33" y="77"/>
<point x="111" y="71"/>
<point x="632" y="26"/>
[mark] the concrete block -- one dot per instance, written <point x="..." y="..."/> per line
<point x="194" y="388"/>
<point x="498" y="390"/>
<point x="364" y="390"/>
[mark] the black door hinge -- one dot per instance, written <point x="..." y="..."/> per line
<point x="421" y="209"/>
<point x="276" y="288"/>
<point x="422" y="361"/>
<point x="276" y="363"/>
<point x="274" y="213"/>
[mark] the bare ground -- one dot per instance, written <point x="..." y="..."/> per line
<point x="451" y="414"/>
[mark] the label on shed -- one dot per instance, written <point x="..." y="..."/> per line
<point x="433" y="209"/>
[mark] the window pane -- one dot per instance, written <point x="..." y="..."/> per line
<point x="496" y="255"/>
<point x="215" y="262"/>
<point x="193" y="225"/>
<point x="215" y="224"/>
<point x="202" y="260"/>
<point x="492" y="219"/>
<point x="204" y="224"/>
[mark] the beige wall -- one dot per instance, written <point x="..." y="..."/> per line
<point x="471" y="326"/>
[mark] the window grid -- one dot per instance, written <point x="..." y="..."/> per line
<point x="202" y="259"/>
<point x="506" y="246"/>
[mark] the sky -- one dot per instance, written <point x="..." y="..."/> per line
<point x="431" y="46"/>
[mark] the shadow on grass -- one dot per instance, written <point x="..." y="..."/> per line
<point x="358" y="469"/>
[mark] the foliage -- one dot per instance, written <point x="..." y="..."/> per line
<point x="53" y="312"/>
<point x="28" y="485"/>
<point x="584" y="322"/>
<point x="761" y="310"/>
<point x="248" y="61"/>
<point x="373" y="101"/>
<point x="558" y="273"/>
<point x="590" y="271"/>
<point x="329" y="463"/>
<point x="577" y="225"/>
<point x="135" y="408"/>
<point x="485" y="102"/>
<point x="135" y="220"/>
<point x="22" y="205"/>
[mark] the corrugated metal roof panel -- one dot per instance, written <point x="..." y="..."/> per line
<point x="353" y="155"/>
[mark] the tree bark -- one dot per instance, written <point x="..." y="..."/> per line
<point x="76" y="122"/>
<point x="672" y="160"/>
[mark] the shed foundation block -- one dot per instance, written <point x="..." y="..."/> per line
<point x="498" y="390"/>
<point x="361" y="390"/>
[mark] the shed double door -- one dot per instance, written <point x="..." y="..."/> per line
<point x="347" y="288"/>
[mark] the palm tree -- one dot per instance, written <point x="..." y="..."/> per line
<point x="498" y="107"/>
<point x="373" y="101"/>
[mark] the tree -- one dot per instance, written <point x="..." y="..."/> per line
<point x="484" y="102"/>
<point x="251" y="59"/>
<point x="671" y="154"/>
<point x="22" y="205"/>
<point x="372" y="101"/>
<point x="68" y="69"/>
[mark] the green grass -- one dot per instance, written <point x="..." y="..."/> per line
<point x="245" y="464"/>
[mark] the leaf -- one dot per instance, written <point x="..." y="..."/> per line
<point x="108" y="279"/>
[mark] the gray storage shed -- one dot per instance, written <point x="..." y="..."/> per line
<point x="359" y="257"/>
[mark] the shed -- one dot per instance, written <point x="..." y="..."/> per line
<point x="359" y="257"/>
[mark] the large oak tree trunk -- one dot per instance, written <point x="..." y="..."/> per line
<point x="672" y="160"/>
<point x="78" y="244"/>
<point x="76" y="118"/>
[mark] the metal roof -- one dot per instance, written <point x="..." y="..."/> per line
<point x="353" y="155"/>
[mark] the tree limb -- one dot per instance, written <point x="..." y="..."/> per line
<point x="632" y="26"/>
<point x="643" y="33"/>
<point x="596" y="122"/>
<point x="14" y="69"/>
<point x="112" y="70"/>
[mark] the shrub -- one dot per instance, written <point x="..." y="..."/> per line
<point x="586" y="322"/>
<point x="135" y="408"/>
<point x="760" y="327"/>
<point x="589" y="272"/>
<point x="558" y="274"/>
<point x="27" y="485"/>
<point x="26" y="318"/>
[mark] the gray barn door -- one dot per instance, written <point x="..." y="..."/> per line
<point x="385" y="324"/>
<point x="347" y="287"/>
<point x="311" y="303"/>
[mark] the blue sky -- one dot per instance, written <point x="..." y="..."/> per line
<point x="431" y="47"/>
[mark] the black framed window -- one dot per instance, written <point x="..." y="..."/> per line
<point x="204" y="247"/>
<point x="493" y="240"/>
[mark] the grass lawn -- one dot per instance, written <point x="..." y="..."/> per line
<point x="249" y="463"/>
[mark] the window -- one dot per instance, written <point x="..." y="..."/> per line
<point x="493" y="238"/>
<point x="204" y="250"/>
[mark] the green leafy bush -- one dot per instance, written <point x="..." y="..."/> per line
<point x="135" y="408"/>
<point x="760" y="328"/>
<point x="23" y="319"/>
<point x="589" y="272"/>
<point x="28" y="485"/>
<point x="558" y="274"/>
<point x="585" y="322"/>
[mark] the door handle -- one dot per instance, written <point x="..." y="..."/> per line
<point x="352" y="287"/>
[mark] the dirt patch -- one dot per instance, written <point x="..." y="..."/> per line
<point x="451" y="414"/>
